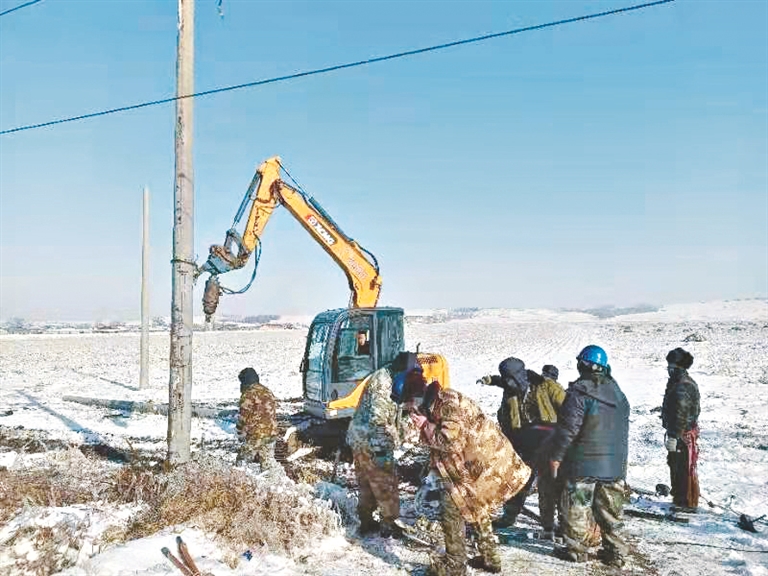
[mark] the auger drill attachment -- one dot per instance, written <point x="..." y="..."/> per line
<point x="211" y="297"/>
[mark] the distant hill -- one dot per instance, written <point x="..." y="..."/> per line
<point x="755" y="310"/>
<point x="745" y="310"/>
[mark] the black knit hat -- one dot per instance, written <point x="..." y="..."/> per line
<point x="248" y="377"/>
<point x="550" y="371"/>
<point x="680" y="357"/>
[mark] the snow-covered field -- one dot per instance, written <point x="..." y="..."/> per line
<point x="730" y="366"/>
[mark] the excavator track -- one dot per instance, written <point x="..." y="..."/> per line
<point x="300" y="429"/>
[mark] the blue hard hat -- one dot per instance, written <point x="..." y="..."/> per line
<point x="594" y="355"/>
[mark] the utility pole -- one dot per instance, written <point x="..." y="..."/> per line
<point x="144" y="371"/>
<point x="180" y="384"/>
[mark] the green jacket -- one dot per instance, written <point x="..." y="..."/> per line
<point x="539" y="405"/>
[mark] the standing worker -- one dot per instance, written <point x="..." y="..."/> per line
<point x="527" y="416"/>
<point x="478" y="468"/>
<point x="373" y="435"/>
<point x="257" y="422"/>
<point x="589" y="449"/>
<point x="679" y="416"/>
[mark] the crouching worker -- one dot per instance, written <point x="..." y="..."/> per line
<point x="373" y="435"/>
<point x="478" y="467"/>
<point x="527" y="416"/>
<point x="257" y="422"/>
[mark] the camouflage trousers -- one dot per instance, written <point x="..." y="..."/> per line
<point x="454" y="562"/>
<point x="378" y="486"/>
<point x="259" y="451"/>
<point x="584" y="502"/>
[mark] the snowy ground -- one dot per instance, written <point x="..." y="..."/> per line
<point x="731" y="368"/>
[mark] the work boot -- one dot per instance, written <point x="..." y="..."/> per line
<point x="547" y="534"/>
<point x="563" y="553"/>
<point x="442" y="566"/>
<point x="391" y="530"/>
<point x="479" y="563"/>
<point x="368" y="527"/>
<point x="611" y="558"/>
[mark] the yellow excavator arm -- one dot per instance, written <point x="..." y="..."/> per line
<point x="266" y="191"/>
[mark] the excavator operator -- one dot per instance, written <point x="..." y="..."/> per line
<point x="363" y="344"/>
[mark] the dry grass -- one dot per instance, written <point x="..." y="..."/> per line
<point x="53" y="548"/>
<point x="42" y="487"/>
<point x="243" y="511"/>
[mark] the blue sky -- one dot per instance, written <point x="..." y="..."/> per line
<point x="618" y="161"/>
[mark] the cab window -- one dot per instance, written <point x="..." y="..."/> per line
<point x="353" y="358"/>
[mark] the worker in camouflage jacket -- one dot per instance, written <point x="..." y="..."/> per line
<point x="527" y="416"/>
<point x="257" y="422"/>
<point x="373" y="435"/>
<point x="589" y="450"/>
<point x="680" y="416"/>
<point x="478" y="467"/>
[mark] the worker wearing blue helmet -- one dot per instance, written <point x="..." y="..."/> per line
<point x="589" y="453"/>
<point x="373" y="435"/>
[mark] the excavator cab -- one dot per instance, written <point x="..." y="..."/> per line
<point x="344" y="346"/>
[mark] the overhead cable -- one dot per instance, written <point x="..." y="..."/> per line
<point x="336" y="67"/>
<point x="19" y="7"/>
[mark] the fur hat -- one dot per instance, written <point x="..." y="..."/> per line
<point x="550" y="371"/>
<point x="680" y="357"/>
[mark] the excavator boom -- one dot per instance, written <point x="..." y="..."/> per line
<point x="344" y="346"/>
<point x="266" y="191"/>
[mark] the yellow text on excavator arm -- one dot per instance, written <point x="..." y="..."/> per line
<point x="266" y="191"/>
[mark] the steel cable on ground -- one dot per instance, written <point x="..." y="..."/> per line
<point x="338" y="66"/>
<point x="19" y="7"/>
<point x="735" y="549"/>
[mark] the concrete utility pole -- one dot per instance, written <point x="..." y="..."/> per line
<point x="180" y="385"/>
<point x="144" y="372"/>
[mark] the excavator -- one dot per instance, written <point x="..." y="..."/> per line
<point x="343" y="346"/>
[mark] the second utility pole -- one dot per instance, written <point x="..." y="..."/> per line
<point x="180" y="384"/>
<point x="144" y="348"/>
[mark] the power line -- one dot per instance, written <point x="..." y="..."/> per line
<point x="19" y="7"/>
<point x="337" y="67"/>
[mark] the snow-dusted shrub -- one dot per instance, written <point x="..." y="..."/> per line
<point x="42" y="548"/>
<point x="339" y="499"/>
<point x="242" y="510"/>
<point x="694" y="337"/>
<point x="71" y="478"/>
